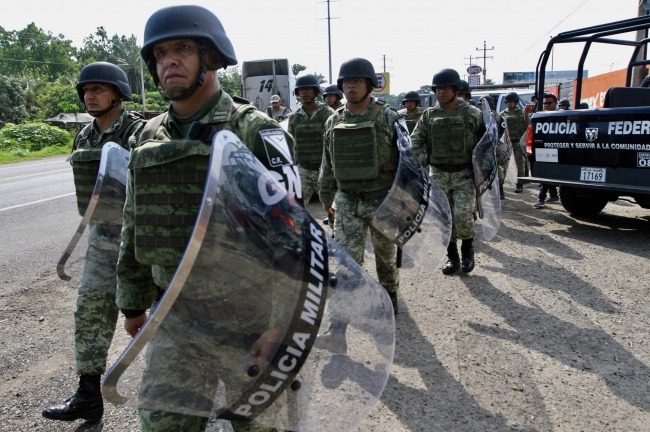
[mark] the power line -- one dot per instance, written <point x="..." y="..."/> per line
<point x="550" y="30"/>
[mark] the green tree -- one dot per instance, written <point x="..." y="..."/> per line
<point x="58" y="97"/>
<point x="230" y="81"/>
<point x="297" y="68"/>
<point x="12" y="100"/>
<point x="33" y="53"/>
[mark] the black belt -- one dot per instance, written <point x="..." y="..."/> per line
<point x="451" y="167"/>
<point x="367" y="195"/>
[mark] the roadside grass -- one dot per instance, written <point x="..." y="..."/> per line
<point x="19" y="155"/>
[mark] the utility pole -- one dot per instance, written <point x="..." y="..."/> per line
<point x="329" y="38"/>
<point x="484" y="58"/>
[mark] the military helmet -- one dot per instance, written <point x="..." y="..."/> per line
<point x="333" y="89"/>
<point x="411" y="96"/>
<point x="446" y="77"/>
<point x="188" y="21"/>
<point x="357" y="68"/>
<point x="307" y="81"/>
<point x="464" y="87"/>
<point x="105" y="73"/>
<point x="512" y="97"/>
<point x="564" y="102"/>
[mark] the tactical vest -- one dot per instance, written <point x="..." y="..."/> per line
<point x="515" y="122"/>
<point x="168" y="183"/>
<point x="411" y="119"/>
<point x="309" y="142"/>
<point x="362" y="155"/>
<point x="85" y="160"/>
<point x="452" y="139"/>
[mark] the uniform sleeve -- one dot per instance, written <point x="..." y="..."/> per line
<point x="326" y="181"/>
<point x="136" y="290"/>
<point x="274" y="148"/>
<point x="420" y="138"/>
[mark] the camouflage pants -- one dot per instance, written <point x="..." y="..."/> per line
<point x="160" y="421"/>
<point x="96" y="313"/>
<point x="191" y="356"/>
<point x="459" y="188"/>
<point x="520" y="158"/>
<point x="309" y="182"/>
<point x="502" y="169"/>
<point x="353" y="217"/>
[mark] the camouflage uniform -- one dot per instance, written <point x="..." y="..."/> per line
<point x="96" y="313"/>
<point x="307" y="130"/>
<point x="357" y="184"/>
<point x="411" y="119"/>
<point x="516" y="129"/>
<point x="138" y="260"/>
<point x="444" y="141"/>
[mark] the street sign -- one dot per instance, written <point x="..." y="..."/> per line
<point x="474" y="70"/>
<point x="383" y="79"/>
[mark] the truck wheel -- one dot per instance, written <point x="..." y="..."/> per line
<point x="580" y="202"/>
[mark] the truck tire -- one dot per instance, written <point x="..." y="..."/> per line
<point x="579" y="202"/>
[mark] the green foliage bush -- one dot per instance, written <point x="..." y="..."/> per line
<point x="27" y="137"/>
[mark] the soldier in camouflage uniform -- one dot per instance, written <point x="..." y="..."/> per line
<point x="411" y="111"/>
<point x="183" y="48"/>
<point x="444" y="139"/>
<point x="354" y="180"/>
<point x="333" y="96"/>
<point x="306" y="126"/>
<point x="516" y="125"/>
<point x="101" y="87"/>
<point x="464" y="91"/>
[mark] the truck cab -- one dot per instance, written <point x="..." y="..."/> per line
<point x="262" y="79"/>
<point x="596" y="155"/>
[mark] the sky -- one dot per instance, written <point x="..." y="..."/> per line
<point x="409" y="39"/>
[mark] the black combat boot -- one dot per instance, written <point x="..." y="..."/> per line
<point x="467" y="253"/>
<point x="87" y="402"/>
<point x="393" y="300"/>
<point x="453" y="260"/>
<point x="519" y="188"/>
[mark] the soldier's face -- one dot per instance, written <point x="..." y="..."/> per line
<point x="330" y="99"/>
<point x="177" y="62"/>
<point x="98" y="96"/>
<point x="410" y="105"/>
<point x="354" y="89"/>
<point x="306" y="94"/>
<point x="445" y="94"/>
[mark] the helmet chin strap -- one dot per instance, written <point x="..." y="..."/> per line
<point x="176" y="93"/>
<point x="99" y="113"/>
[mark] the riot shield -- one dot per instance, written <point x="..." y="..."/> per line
<point x="233" y="335"/>
<point x="107" y="200"/>
<point x="504" y="147"/>
<point x="486" y="179"/>
<point x="415" y="210"/>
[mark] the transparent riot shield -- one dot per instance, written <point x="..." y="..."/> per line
<point x="504" y="147"/>
<point x="233" y="335"/>
<point x="107" y="200"/>
<point x="486" y="179"/>
<point x="415" y="210"/>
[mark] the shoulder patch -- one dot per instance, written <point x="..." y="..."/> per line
<point x="277" y="148"/>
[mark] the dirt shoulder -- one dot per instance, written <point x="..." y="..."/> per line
<point x="550" y="333"/>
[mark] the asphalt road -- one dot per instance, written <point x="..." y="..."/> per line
<point x="38" y="219"/>
<point x="550" y="332"/>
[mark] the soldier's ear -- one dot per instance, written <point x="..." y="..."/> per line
<point x="212" y="59"/>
